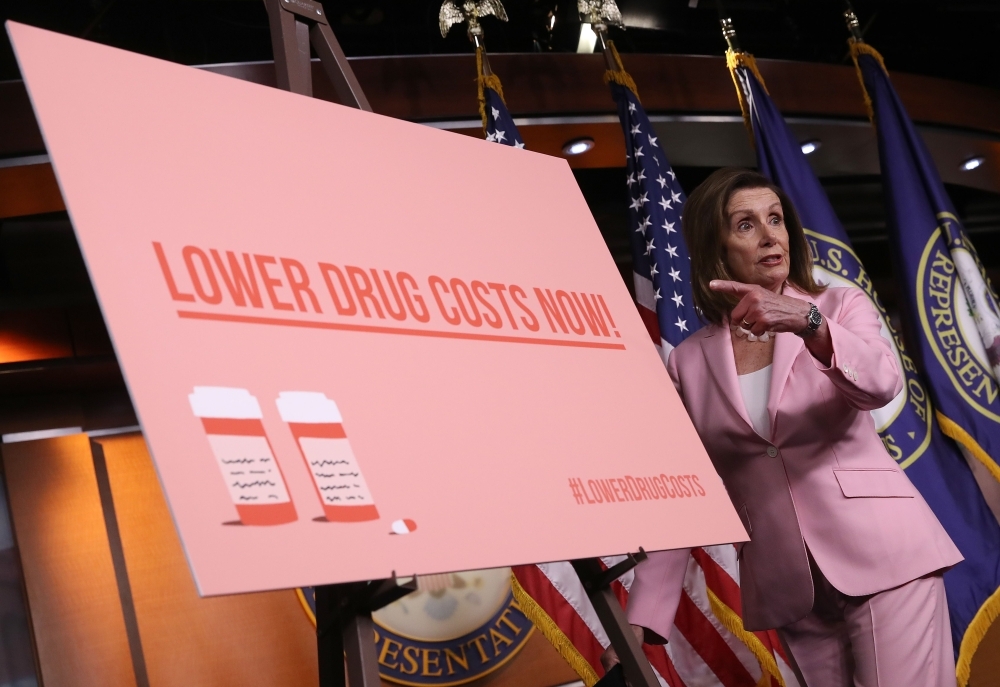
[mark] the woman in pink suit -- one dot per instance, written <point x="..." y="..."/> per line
<point x="845" y="558"/>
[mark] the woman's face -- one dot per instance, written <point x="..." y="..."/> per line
<point x="756" y="241"/>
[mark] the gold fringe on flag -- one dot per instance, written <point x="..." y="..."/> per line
<point x="732" y="622"/>
<point x="953" y="430"/>
<point x="300" y="595"/>
<point x="491" y="81"/>
<point x="974" y="634"/>
<point x="990" y="610"/>
<point x="537" y="615"/>
<point x="859" y="48"/>
<point x="620" y="76"/>
<point x="744" y="59"/>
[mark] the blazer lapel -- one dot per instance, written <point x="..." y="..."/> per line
<point x="717" y="348"/>
<point x="787" y="347"/>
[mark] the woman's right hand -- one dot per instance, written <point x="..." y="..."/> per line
<point x="610" y="657"/>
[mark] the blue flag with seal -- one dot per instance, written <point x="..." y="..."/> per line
<point x="951" y="320"/>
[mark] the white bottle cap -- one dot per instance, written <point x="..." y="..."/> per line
<point x="224" y="402"/>
<point x="307" y="407"/>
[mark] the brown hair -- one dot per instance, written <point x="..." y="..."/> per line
<point x="705" y="223"/>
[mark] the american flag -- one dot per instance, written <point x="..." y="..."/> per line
<point x="499" y="124"/>
<point x="660" y="264"/>
<point x="708" y="647"/>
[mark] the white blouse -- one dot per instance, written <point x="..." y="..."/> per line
<point x="755" y="387"/>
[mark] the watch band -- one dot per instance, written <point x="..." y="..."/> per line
<point x="813" y="321"/>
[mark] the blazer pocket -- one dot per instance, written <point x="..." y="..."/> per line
<point x="874" y="483"/>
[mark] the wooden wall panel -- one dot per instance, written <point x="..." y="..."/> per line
<point x="29" y="190"/>
<point x="72" y="593"/>
<point x="246" y="640"/>
<point x="184" y="640"/>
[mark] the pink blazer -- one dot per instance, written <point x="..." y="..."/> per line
<point x="821" y="480"/>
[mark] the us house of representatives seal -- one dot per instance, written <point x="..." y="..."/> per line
<point x="950" y="323"/>
<point x="905" y="423"/>
<point x="455" y="628"/>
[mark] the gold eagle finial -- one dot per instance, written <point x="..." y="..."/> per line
<point x="458" y="11"/>
<point x="600" y="12"/>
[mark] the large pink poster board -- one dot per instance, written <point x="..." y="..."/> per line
<point x="359" y="345"/>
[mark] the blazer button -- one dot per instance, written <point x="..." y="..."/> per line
<point x="771" y="451"/>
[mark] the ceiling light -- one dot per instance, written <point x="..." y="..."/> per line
<point x="810" y="147"/>
<point x="578" y="146"/>
<point x="972" y="163"/>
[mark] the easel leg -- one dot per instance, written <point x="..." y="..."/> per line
<point x="359" y="642"/>
<point x="609" y="611"/>
<point x="329" y="638"/>
<point x="344" y="626"/>
<point x="290" y="41"/>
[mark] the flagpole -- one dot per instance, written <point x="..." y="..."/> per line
<point x="853" y="25"/>
<point x="599" y="16"/>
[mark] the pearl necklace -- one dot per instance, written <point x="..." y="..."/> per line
<point x="750" y="336"/>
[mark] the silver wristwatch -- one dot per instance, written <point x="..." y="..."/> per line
<point x="813" y="320"/>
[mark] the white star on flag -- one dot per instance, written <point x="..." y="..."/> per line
<point x="681" y="323"/>
<point x="636" y="130"/>
<point x="496" y="112"/>
<point x="674" y="274"/>
<point x="643" y="224"/>
<point x="664" y="202"/>
<point x="490" y="137"/>
<point x="644" y="198"/>
<point x="661" y="181"/>
<point x="650" y="246"/>
<point x="638" y="152"/>
<point x="652" y="140"/>
<point x="642" y="175"/>
<point x="657" y="296"/>
<point x="672" y="250"/>
<point x="635" y="204"/>
<point x="631" y="107"/>
<point x="652" y="270"/>
<point x="669" y="226"/>
<point x="677" y="299"/>
<point x="674" y="197"/>
<point x="630" y="179"/>
<point x="519" y="144"/>
<point x="500" y="136"/>
<point x="672" y="175"/>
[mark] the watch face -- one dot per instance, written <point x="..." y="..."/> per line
<point x="815" y="319"/>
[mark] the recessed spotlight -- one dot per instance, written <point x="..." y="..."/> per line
<point x="578" y="146"/>
<point x="810" y="147"/>
<point x="972" y="163"/>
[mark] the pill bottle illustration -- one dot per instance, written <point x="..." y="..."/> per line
<point x="231" y="418"/>
<point x="318" y="429"/>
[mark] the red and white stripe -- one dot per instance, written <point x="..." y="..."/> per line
<point x="703" y="650"/>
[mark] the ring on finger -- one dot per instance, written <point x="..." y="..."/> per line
<point x="745" y="324"/>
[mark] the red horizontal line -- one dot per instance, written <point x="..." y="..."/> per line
<point x="405" y="331"/>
